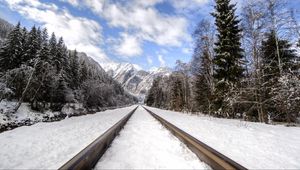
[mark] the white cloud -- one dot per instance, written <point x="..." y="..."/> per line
<point x="128" y="46"/>
<point x="72" y="2"/>
<point x="149" y="60"/>
<point x="186" y="50"/>
<point x="148" y="24"/>
<point x="190" y="4"/>
<point x="141" y="17"/>
<point x="161" y="61"/>
<point x="78" y="32"/>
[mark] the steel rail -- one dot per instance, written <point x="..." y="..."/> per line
<point x="89" y="156"/>
<point x="210" y="156"/>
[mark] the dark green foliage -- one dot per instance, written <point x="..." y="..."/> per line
<point x="32" y="45"/>
<point x="168" y="93"/>
<point x="177" y="90"/>
<point x="54" y="75"/>
<point x="276" y="68"/>
<point x="156" y="96"/>
<point x="229" y="54"/>
<point x="287" y="57"/>
<point x="74" y="70"/>
<point x="12" y="50"/>
<point x="203" y="96"/>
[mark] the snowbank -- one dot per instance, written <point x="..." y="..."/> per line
<point x="50" y="145"/>
<point x="253" y="145"/>
<point x="24" y="115"/>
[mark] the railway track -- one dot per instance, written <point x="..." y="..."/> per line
<point x="210" y="156"/>
<point x="89" y="156"/>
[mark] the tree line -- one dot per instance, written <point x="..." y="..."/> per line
<point x="39" y="69"/>
<point x="243" y="66"/>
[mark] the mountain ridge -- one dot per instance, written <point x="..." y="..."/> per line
<point x="135" y="80"/>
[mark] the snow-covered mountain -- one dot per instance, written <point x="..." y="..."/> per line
<point x="135" y="80"/>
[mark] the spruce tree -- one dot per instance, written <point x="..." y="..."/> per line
<point x="12" y="49"/>
<point x="270" y="57"/>
<point x="44" y="53"/>
<point x="74" y="70"/>
<point x="61" y="58"/>
<point x="83" y="72"/>
<point x="177" y="99"/>
<point x="272" y="87"/>
<point x="32" y="46"/>
<point x="52" y="47"/>
<point x="228" y="52"/>
<point x="203" y="90"/>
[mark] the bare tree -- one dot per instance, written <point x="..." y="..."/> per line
<point x="254" y="17"/>
<point x="27" y="86"/>
<point x="202" y="63"/>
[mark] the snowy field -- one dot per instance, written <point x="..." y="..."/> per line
<point x="50" y="145"/>
<point x="145" y="144"/>
<point x="253" y="145"/>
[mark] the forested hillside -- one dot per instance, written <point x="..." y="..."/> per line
<point x="245" y="65"/>
<point x="39" y="69"/>
<point x="5" y="28"/>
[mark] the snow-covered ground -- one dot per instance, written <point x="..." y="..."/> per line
<point x="145" y="144"/>
<point x="24" y="113"/>
<point x="50" y="145"/>
<point x="253" y="145"/>
<point x="26" y="116"/>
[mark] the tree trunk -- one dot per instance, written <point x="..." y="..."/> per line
<point x="26" y="88"/>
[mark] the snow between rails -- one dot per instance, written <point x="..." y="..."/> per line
<point x="145" y="144"/>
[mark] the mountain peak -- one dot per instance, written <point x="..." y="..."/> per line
<point x="135" y="80"/>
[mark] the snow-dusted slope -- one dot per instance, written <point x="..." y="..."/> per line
<point x="135" y="80"/>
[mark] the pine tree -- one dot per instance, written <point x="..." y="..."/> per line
<point x="203" y="87"/>
<point x="229" y="54"/>
<point x="228" y="49"/>
<point x="12" y="49"/>
<point x="177" y="99"/>
<point x="52" y="48"/>
<point x="270" y="57"/>
<point x="44" y="53"/>
<point x="83" y="72"/>
<point x="74" y="70"/>
<point x="59" y="92"/>
<point x="273" y="71"/>
<point x="202" y="65"/>
<point x="32" y="46"/>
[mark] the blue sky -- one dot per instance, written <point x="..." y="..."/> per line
<point x="148" y="33"/>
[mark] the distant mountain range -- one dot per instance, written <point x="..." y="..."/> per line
<point x="134" y="80"/>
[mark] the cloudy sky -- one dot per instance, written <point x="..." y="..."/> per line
<point x="149" y="33"/>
